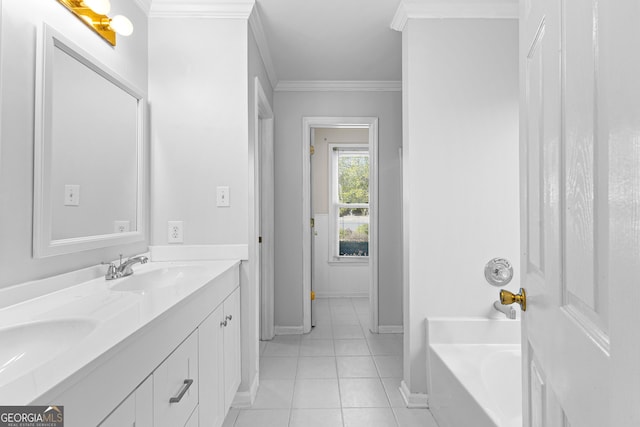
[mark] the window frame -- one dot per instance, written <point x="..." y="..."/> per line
<point x="335" y="205"/>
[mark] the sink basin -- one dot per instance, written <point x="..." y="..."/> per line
<point x="27" y="346"/>
<point x="159" y="278"/>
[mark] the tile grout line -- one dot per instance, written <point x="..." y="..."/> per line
<point x="337" y="374"/>
<point x="298" y="358"/>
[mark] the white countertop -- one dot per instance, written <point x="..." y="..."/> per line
<point x="94" y="308"/>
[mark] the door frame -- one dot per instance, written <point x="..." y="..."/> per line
<point x="309" y="123"/>
<point x="263" y="219"/>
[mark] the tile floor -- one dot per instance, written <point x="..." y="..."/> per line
<point x="339" y="375"/>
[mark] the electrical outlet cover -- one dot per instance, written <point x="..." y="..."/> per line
<point x="121" y="226"/>
<point x="175" y="232"/>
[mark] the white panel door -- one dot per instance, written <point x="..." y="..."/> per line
<point x="564" y="205"/>
<point x="621" y="71"/>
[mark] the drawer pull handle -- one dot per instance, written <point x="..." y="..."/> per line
<point x="229" y="317"/>
<point x="223" y="323"/>
<point x="178" y="398"/>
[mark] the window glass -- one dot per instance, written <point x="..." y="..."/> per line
<point x="351" y="190"/>
<point x="353" y="177"/>
<point x="353" y="229"/>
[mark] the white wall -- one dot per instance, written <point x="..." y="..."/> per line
<point x="21" y="22"/>
<point x="198" y="101"/>
<point x="460" y="171"/>
<point x="290" y="108"/>
<point x="251" y="292"/>
<point x="201" y="88"/>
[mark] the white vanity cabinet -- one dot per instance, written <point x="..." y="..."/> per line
<point x="194" y="420"/>
<point x="136" y="410"/>
<point x="181" y="370"/>
<point x="231" y="348"/>
<point x="168" y="397"/>
<point x="175" y="385"/>
<point x="219" y="358"/>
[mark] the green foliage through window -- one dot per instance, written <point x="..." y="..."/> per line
<point x="353" y="189"/>
<point x="353" y="178"/>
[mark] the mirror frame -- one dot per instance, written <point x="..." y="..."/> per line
<point x="43" y="245"/>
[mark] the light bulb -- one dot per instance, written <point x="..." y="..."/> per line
<point x="121" y="25"/>
<point x="101" y="7"/>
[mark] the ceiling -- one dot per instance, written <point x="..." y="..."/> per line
<point x="332" y="39"/>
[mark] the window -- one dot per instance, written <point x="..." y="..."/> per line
<point x="349" y="203"/>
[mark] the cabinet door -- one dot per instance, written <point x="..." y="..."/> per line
<point x="231" y="347"/>
<point x="136" y="410"/>
<point x="210" y="354"/>
<point x="175" y="385"/>
<point x="193" y="420"/>
<point x="144" y="403"/>
<point x="124" y="415"/>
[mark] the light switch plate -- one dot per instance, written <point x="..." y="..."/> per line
<point x="222" y="196"/>
<point x="71" y="195"/>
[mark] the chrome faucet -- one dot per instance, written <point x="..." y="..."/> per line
<point x="124" y="269"/>
<point x="508" y="311"/>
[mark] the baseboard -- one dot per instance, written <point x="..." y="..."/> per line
<point x="390" y="329"/>
<point x="342" y="295"/>
<point x="413" y="400"/>
<point x="198" y="252"/>
<point x="245" y="399"/>
<point x="289" y="330"/>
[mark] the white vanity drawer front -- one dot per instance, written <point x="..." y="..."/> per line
<point x="124" y="415"/>
<point x="175" y="385"/>
<point x="193" y="421"/>
<point x="136" y="410"/>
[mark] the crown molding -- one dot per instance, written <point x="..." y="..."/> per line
<point x="201" y="9"/>
<point x="145" y="5"/>
<point x="439" y="9"/>
<point x="255" y="22"/>
<point x="338" y="86"/>
<point x="400" y="18"/>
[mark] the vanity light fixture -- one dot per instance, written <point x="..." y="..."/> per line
<point x="94" y="14"/>
<point x="101" y="7"/>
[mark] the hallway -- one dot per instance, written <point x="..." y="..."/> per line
<point x="338" y="375"/>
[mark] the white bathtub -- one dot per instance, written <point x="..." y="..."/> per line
<point x="474" y="370"/>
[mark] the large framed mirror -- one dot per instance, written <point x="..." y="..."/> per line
<point x="89" y="152"/>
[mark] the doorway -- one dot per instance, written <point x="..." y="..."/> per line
<point x="340" y="232"/>
<point x="263" y="215"/>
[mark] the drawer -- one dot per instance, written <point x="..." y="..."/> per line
<point x="136" y="410"/>
<point x="175" y="385"/>
<point x="193" y="421"/>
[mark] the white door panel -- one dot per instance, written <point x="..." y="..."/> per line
<point x="566" y="362"/>
<point x="620" y="68"/>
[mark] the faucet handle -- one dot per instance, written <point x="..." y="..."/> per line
<point x="112" y="271"/>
